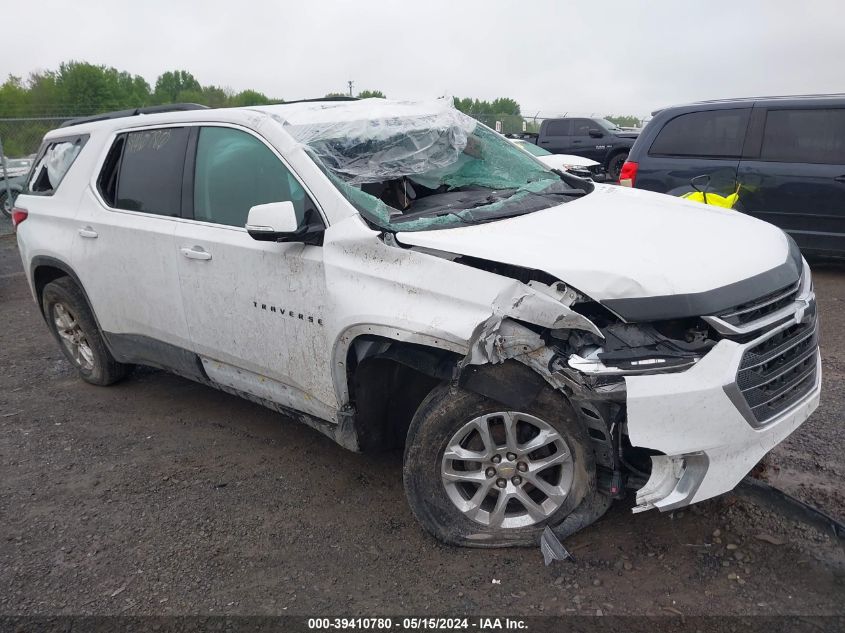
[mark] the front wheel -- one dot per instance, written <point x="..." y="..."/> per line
<point x="480" y="475"/>
<point x="614" y="166"/>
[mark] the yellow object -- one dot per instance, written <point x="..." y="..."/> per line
<point x="726" y="202"/>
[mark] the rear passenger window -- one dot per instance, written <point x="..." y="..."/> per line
<point x="53" y="163"/>
<point x="805" y="136"/>
<point x="713" y="134"/>
<point x="558" y="128"/>
<point x="147" y="176"/>
<point x="234" y="172"/>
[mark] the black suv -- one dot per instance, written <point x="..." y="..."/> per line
<point x="598" y="139"/>
<point x="784" y="156"/>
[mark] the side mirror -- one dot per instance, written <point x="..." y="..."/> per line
<point x="277" y="222"/>
<point x="596" y="133"/>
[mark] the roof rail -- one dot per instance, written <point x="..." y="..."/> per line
<point x="119" y="114"/>
<point x="317" y="99"/>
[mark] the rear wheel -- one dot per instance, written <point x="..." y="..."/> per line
<point x="72" y="324"/>
<point x="478" y="474"/>
<point x="614" y="166"/>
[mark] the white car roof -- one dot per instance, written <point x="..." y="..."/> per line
<point x="297" y="114"/>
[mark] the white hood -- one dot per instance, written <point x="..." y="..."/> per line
<point x="618" y="243"/>
<point x="561" y="161"/>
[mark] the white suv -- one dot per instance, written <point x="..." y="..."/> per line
<point x="396" y="273"/>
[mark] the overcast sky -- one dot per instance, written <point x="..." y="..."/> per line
<point x="581" y="57"/>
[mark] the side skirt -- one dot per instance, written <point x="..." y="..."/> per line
<point x="142" y="350"/>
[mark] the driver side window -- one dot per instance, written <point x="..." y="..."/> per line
<point x="234" y="172"/>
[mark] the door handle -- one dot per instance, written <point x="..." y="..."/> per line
<point x="197" y="252"/>
<point x="576" y="142"/>
<point x="87" y="231"/>
<point x="544" y="142"/>
<point x="840" y="178"/>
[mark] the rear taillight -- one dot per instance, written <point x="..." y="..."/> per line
<point x="18" y="216"/>
<point x="628" y="174"/>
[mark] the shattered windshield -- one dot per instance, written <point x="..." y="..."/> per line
<point x="414" y="167"/>
<point x="534" y="150"/>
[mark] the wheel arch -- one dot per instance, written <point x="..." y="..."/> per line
<point x="44" y="269"/>
<point x="386" y="380"/>
<point x="614" y="153"/>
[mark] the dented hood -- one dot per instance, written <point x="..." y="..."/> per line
<point x="618" y="244"/>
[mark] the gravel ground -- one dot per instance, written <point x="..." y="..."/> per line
<point x="160" y="496"/>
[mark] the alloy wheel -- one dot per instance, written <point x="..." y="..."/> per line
<point x="507" y="470"/>
<point x="72" y="337"/>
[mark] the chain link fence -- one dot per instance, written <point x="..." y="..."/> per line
<point x="20" y="138"/>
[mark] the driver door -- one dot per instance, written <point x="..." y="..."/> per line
<point x="254" y="309"/>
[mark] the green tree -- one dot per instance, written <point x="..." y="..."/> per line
<point x="331" y="95"/>
<point x="214" y="97"/>
<point x="503" y="109"/>
<point x="173" y="82"/>
<point x="43" y="95"/>
<point x="249" y="98"/>
<point x="369" y="94"/>
<point x="627" y="120"/>
<point x="84" y="88"/>
<point x="505" y="105"/>
<point x="13" y="97"/>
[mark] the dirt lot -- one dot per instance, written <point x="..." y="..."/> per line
<point x="160" y="496"/>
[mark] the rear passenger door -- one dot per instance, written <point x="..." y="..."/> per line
<point x="693" y="144"/>
<point x="124" y="249"/>
<point x="556" y="136"/>
<point x="794" y="175"/>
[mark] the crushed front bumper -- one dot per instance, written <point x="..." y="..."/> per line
<point x="708" y="440"/>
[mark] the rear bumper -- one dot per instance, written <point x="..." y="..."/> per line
<point x="708" y="443"/>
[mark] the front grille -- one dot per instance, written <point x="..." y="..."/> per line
<point x="780" y="371"/>
<point x="759" y="308"/>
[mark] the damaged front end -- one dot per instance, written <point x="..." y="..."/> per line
<point x="586" y="352"/>
<point x="678" y="409"/>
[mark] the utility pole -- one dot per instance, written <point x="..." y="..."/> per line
<point x="350" y="82"/>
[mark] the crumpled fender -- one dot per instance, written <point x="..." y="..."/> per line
<point x="500" y="336"/>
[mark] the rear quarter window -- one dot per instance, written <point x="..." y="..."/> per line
<point x="708" y="134"/>
<point x="52" y="164"/>
<point x="805" y="136"/>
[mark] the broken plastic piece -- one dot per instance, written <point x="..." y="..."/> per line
<point x="552" y="548"/>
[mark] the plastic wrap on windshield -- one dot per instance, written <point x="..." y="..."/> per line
<point x="429" y="144"/>
<point x="490" y="161"/>
<point x="385" y="140"/>
<point x="58" y="160"/>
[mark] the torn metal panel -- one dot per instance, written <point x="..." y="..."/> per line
<point x="498" y="337"/>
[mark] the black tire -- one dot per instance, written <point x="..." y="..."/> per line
<point x="63" y="296"/>
<point x="614" y="166"/>
<point x="442" y="414"/>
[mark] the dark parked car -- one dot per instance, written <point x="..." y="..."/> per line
<point x="598" y="139"/>
<point x="784" y="156"/>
